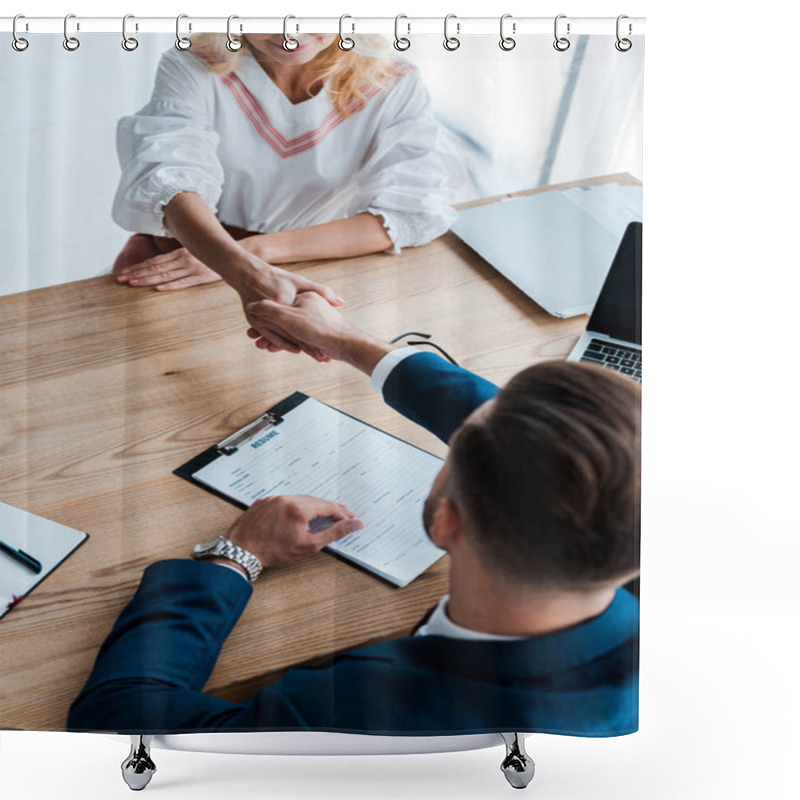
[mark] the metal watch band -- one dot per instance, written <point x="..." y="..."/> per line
<point x="244" y="558"/>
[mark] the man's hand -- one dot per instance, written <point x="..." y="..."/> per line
<point x="276" y="529"/>
<point x="317" y="325"/>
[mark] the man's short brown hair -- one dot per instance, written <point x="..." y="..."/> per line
<point x="549" y="480"/>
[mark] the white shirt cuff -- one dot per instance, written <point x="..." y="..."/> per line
<point x="235" y="569"/>
<point x="387" y="364"/>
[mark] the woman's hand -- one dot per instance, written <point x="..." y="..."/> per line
<point x="176" y="270"/>
<point x="262" y="281"/>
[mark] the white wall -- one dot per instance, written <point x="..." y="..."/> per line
<point x="510" y="104"/>
<point x="58" y="164"/>
<point x="603" y="130"/>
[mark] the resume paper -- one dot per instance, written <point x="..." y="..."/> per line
<point x="317" y="450"/>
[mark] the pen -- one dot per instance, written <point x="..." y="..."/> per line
<point x="20" y="555"/>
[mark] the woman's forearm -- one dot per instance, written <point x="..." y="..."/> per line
<point x="343" y="238"/>
<point x="192" y="222"/>
<point x="190" y="219"/>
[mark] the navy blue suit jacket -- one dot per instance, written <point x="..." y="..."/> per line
<point x="150" y="671"/>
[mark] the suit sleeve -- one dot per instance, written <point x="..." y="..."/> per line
<point x="434" y="393"/>
<point x="149" y="674"/>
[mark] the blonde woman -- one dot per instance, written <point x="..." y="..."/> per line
<point x="264" y="156"/>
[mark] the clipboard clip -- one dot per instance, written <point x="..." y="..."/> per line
<point x="266" y="421"/>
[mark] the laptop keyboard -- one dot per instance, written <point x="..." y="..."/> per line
<point x="622" y="359"/>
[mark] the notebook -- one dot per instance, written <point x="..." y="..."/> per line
<point x="45" y="541"/>
<point x="303" y="446"/>
<point x="555" y="246"/>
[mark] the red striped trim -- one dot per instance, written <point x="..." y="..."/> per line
<point x="289" y="147"/>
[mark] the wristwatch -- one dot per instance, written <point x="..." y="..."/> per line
<point x="220" y="546"/>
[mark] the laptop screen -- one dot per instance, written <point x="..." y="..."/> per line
<point x="618" y="311"/>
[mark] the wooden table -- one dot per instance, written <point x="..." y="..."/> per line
<point x="106" y="389"/>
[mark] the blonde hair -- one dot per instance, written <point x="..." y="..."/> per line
<point x="346" y="75"/>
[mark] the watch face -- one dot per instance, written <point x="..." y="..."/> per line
<point x="206" y="545"/>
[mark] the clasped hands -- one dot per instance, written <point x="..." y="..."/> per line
<point x="253" y="278"/>
<point x="260" y="283"/>
<point x="275" y="288"/>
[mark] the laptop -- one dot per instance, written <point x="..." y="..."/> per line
<point x="613" y="336"/>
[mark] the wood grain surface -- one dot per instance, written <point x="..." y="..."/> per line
<point x="106" y="389"/>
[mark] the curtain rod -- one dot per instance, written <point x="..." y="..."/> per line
<point x="407" y="25"/>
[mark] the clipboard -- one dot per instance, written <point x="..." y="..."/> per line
<point x="268" y="420"/>
<point x="304" y="446"/>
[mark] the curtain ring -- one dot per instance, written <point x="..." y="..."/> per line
<point x="345" y="42"/>
<point x="623" y="45"/>
<point x="401" y="43"/>
<point x="561" y="43"/>
<point x="451" y="42"/>
<point x="233" y="44"/>
<point x="128" y="42"/>
<point x="70" y="42"/>
<point x="289" y="44"/>
<point x="18" y="43"/>
<point x="181" y="42"/>
<point x="506" y="42"/>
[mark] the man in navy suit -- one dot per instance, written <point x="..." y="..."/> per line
<point x="537" y="505"/>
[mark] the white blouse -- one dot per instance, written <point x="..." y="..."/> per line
<point x="265" y="164"/>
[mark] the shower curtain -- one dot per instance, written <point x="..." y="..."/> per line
<point x="445" y="219"/>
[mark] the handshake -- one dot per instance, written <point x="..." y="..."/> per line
<point x="312" y="325"/>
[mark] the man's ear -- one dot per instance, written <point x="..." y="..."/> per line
<point x="446" y="529"/>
